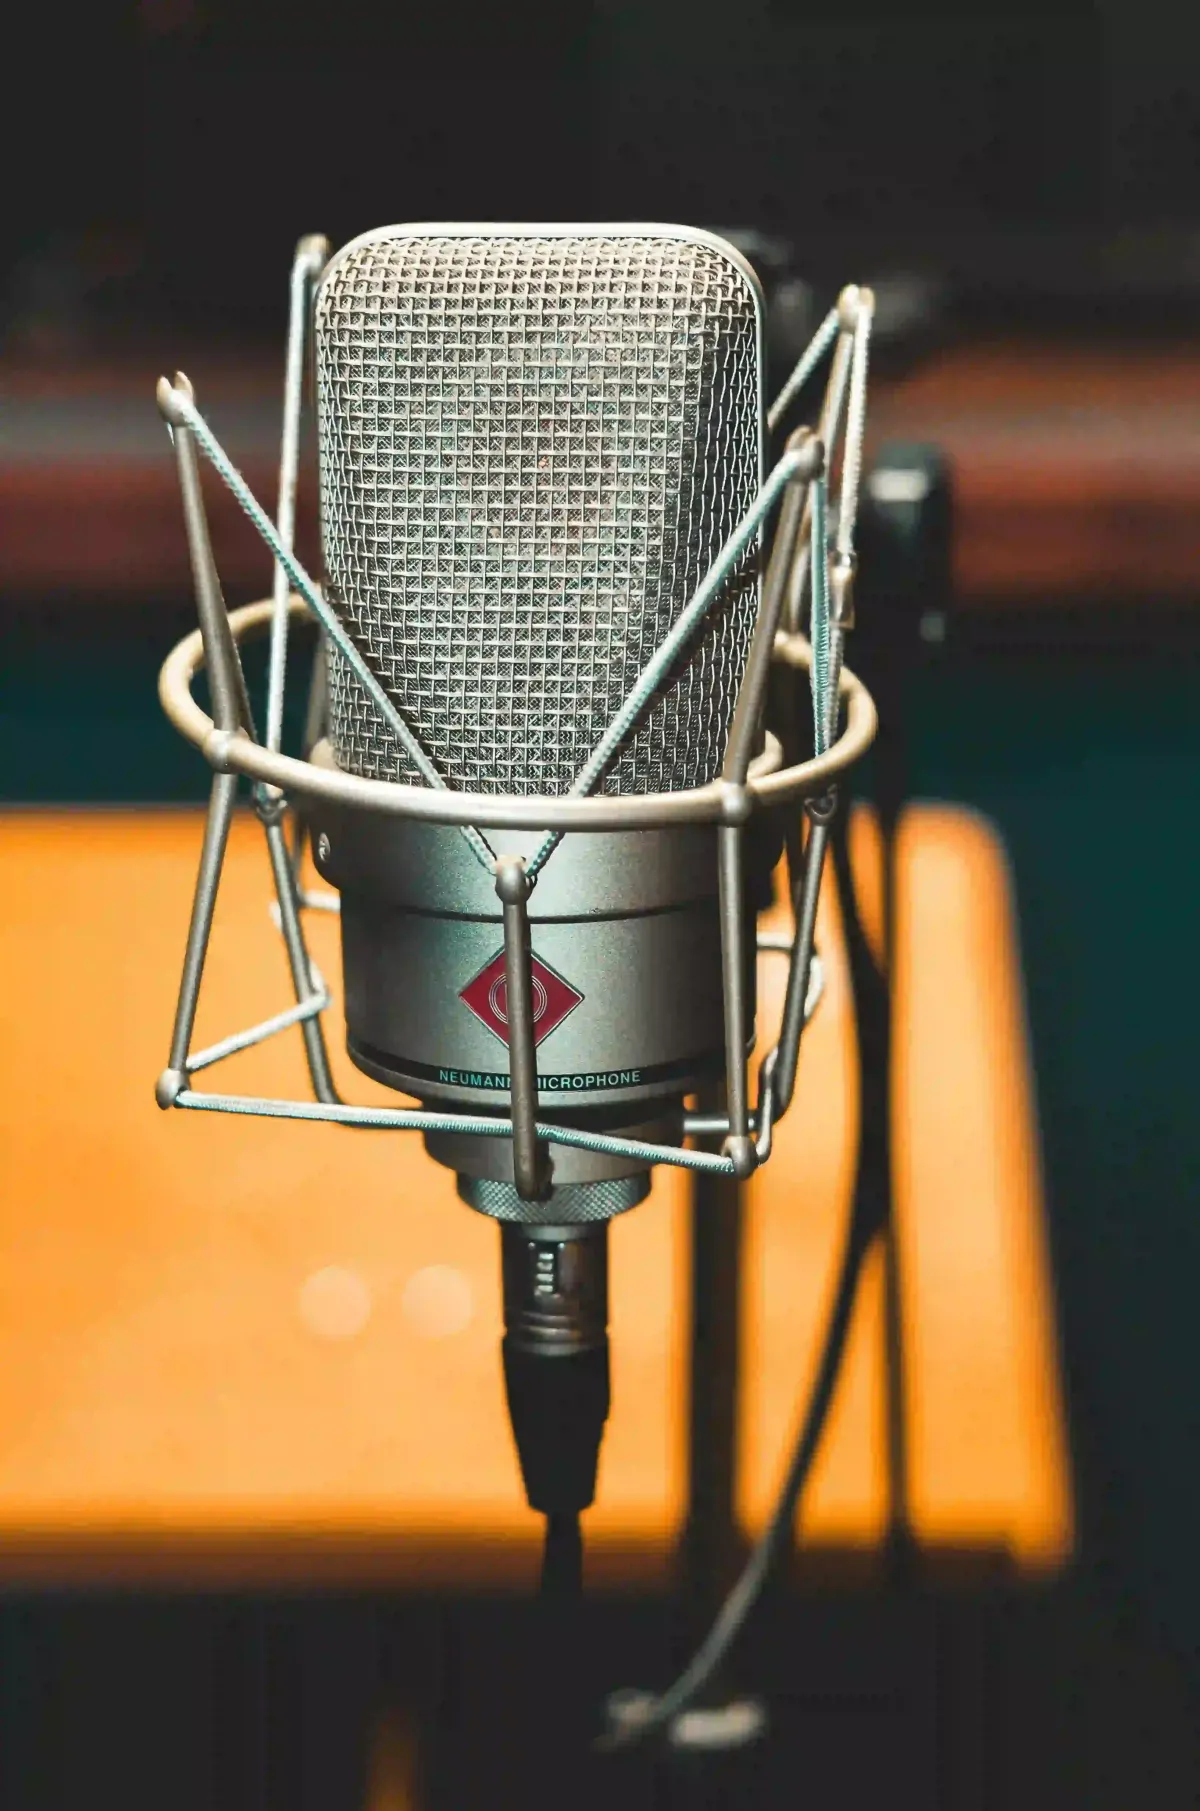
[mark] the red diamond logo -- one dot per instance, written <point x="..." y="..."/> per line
<point x="487" y="997"/>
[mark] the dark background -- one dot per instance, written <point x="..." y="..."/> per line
<point x="163" y="158"/>
<point x="1029" y="173"/>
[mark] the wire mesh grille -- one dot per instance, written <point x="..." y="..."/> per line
<point x="531" y="450"/>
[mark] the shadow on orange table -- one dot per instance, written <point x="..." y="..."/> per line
<point x="241" y="1350"/>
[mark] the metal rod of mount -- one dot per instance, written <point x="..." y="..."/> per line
<point x="513" y="888"/>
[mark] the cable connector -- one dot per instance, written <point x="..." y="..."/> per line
<point x="556" y="1358"/>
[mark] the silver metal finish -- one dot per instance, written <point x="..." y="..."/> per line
<point x="533" y="448"/>
<point x="512" y="889"/>
<point x="425" y="867"/>
<point x="804" y="367"/>
<point x="237" y="753"/>
<point x="303" y="980"/>
<point x="641" y="1019"/>
<point x="660" y="665"/>
<point x="316" y="1002"/>
<point x="231" y="706"/>
<point x="856" y="423"/>
<point x="466" y="1130"/>
<point x="829" y="429"/>
<point x="578" y="1204"/>
<point x="716" y="1125"/>
<point x="178" y="409"/>
<point x="212" y="856"/>
<point x="844" y="318"/>
<point x="589" y="1154"/>
<point x="311" y="255"/>
<point x="491" y="1159"/>
<point x="795" y="1002"/>
<point x="764" y="1116"/>
<point x="625" y="924"/>
<point x="745" y="733"/>
<point x="735" y="948"/>
<point x="824" y="695"/>
<point x="842" y="613"/>
<point x="400" y="1119"/>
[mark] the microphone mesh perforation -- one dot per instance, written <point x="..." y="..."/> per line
<point x="531" y="449"/>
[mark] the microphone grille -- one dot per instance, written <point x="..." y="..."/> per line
<point x="532" y="446"/>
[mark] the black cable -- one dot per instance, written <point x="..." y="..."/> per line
<point x="924" y="564"/>
<point x="776" y="1537"/>
<point x="865" y="1222"/>
<point x="562" y="1559"/>
<point x="871" y="989"/>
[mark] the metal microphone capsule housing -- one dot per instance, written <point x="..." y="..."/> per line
<point x="626" y="948"/>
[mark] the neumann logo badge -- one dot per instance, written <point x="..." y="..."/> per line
<point x="487" y="996"/>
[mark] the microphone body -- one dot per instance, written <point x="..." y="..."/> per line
<point x="541" y="455"/>
<point x="626" y="971"/>
<point x="533" y="443"/>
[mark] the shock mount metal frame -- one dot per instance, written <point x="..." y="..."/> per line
<point x="802" y="566"/>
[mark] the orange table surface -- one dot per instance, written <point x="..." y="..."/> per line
<point x="240" y="1349"/>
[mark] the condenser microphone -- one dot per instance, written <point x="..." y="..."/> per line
<point x="541" y="493"/>
<point x="534" y="442"/>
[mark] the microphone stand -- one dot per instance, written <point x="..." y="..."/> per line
<point x="905" y="544"/>
<point x="904" y="539"/>
<point x="710" y="1538"/>
<point x="711" y="1546"/>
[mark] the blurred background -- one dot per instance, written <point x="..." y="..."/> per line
<point x="1022" y="187"/>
